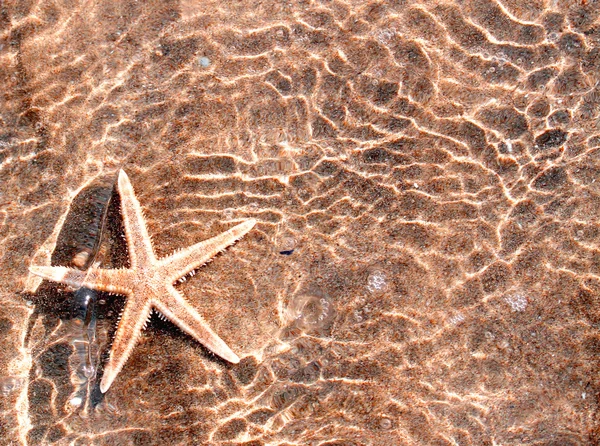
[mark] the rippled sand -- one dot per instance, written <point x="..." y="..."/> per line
<point x="426" y="265"/>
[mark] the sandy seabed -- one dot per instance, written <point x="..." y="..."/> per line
<point x="425" y="269"/>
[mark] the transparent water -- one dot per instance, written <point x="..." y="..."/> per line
<point x="425" y="265"/>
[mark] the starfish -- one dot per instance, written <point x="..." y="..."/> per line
<point x="148" y="284"/>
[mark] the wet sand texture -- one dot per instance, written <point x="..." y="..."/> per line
<point x="425" y="269"/>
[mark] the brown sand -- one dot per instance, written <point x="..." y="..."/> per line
<point x="426" y="266"/>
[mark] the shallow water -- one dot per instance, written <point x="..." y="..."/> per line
<point x="425" y="269"/>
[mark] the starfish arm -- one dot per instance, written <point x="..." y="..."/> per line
<point x="62" y="274"/>
<point x="133" y="320"/>
<point x="136" y="233"/>
<point x="182" y="262"/>
<point x="109" y="280"/>
<point x="182" y="314"/>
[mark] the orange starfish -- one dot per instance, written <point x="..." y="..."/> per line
<point x="148" y="284"/>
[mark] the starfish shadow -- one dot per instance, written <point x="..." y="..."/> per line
<point x="89" y="224"/>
